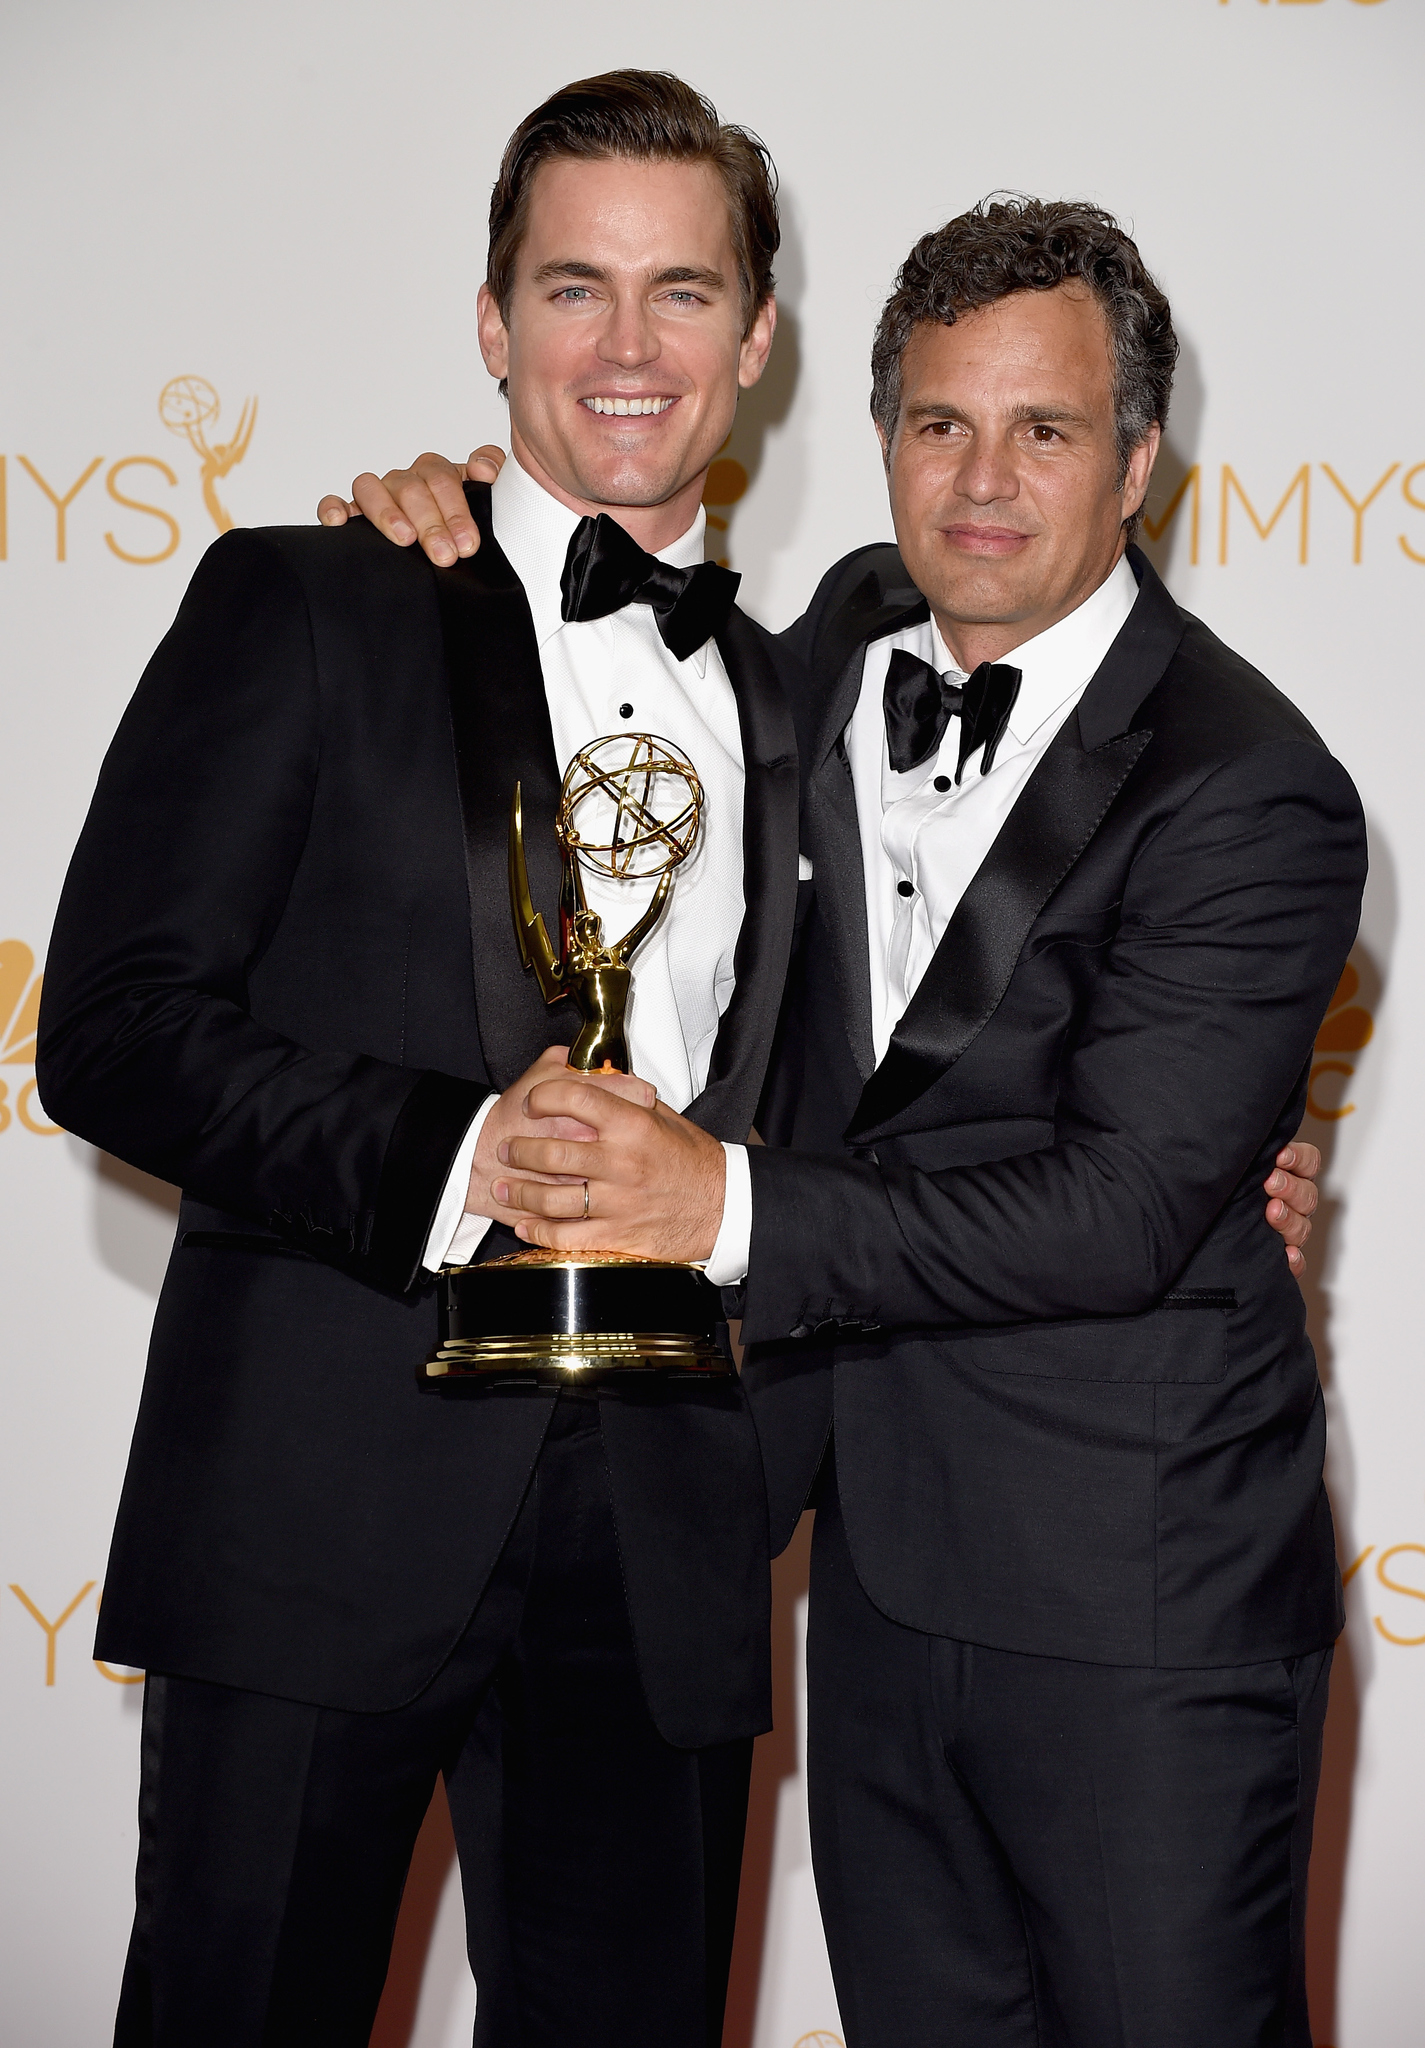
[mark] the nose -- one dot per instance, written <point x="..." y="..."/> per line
<point x="986" y="473"/>
<point x="629" y="337"/>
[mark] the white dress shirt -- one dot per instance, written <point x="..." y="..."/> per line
<point x="614" y="675"/>
<point x="922" y="838"/>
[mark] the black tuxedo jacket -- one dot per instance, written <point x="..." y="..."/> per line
<point x="283" y="976"/>
<point x="1076" y="1409"/>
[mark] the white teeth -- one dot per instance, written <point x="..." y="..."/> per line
<point x="628" y="405"/>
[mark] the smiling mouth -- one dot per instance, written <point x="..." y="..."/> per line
<point x="642" y="406"/>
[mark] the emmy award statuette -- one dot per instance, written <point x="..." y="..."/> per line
<point x="630" y="808"/>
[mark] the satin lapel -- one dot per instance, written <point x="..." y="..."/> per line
<point x="500" y="720"/>
<point x="738" y="1065"/>
<point x="1060" y="808"/>
<point x="833" y="830"/>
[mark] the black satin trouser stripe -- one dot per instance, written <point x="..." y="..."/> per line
<point x="599" y="1864"/>
<point x="1027" y="1852"/>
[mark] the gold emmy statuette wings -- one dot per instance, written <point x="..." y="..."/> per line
<point x="623" y="771"/>
<point x="186" y="405"/>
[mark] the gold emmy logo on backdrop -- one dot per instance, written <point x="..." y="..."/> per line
<point x="19" y="1019"/>
<point x="1346" y="1027"/>
<point x="1402" y="1588"/>
<point x="188" y="405"/>
<point x="51" y="1631"/>
<point x="822" y="2039"/>
<point x="630" y="810"/>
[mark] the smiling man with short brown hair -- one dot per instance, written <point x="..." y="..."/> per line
<point x="283" y="976"/>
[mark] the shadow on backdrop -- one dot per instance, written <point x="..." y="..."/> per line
<point x="1171" y="532"/>
<point x="134" y="1218"/>
<point x="1347" y="1027"/>
<point x="760" y="412"/>
<point x="774" y="1760"/>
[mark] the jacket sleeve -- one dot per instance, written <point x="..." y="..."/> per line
<point x="146" y="1047"/>
<point x="1235" y="925"/>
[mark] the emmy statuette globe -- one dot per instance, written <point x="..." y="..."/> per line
<point x="630" y="810"/>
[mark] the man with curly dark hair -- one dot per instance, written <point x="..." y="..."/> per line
<point x="1083" y="885"/>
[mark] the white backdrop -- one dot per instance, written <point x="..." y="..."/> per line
<point x="286" y="201"/>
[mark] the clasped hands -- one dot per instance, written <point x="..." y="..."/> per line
<point x="654" y="1180"/>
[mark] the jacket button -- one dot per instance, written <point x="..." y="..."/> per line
<point x="942" y="783"/>
<point x="906" y="888"/>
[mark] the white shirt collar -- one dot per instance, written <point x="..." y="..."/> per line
<point x="533" y="529"/>
<point x="1064" y="657"/>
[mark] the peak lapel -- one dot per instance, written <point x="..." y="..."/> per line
<point x="833" y="830"/>
<point x="1060" y="808"/>
<point x="500" y="721"/>
<point x="728" y="1102"/>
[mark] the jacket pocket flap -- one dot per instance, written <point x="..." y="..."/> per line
<point x="1181" y="1342"/>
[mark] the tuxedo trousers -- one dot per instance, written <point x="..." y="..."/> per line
<point x="1027" y="1852"/>
<point x="599" y="1864"/>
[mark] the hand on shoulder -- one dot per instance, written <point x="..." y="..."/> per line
<point x="424" y="503"/>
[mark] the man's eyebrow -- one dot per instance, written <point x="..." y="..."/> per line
<point x="1048" y="415"/>
<point x="688" y="273"/>
<point x="677" y="273"/>
<point x="569" y="266"/>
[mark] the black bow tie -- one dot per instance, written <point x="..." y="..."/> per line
<point x="605" y="569"/>
<point x="920" y="704"/>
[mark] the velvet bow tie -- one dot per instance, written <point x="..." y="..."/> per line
<point x="920" y="704"/>
<point x="605" y="569"/>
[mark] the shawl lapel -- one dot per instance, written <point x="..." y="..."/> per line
<point x="500" y="722"/>
<point x="728" y="1102"/>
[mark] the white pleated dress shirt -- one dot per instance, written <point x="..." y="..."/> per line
<point x="614" y="675"/>
<point x="922" y="838"/>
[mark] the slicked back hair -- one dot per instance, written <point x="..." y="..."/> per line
<point x="644" y="117"/>
<point x="1014" y="244"/>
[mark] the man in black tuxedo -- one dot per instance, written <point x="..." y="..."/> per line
<point x="1084" y="884"/>
<point x="283" y="975"/>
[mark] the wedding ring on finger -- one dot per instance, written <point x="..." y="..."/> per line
<point x="586" y="1202"/>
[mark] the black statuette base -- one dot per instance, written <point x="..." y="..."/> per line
<point x="576" y="1318"/>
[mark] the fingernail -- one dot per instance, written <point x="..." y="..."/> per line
<point x="442" y="552"/>
<point x="1276" y="1182"/>
<point x="403" y="530"/>
<point x="466" y="543"/>
<point x="501" y="1192"/>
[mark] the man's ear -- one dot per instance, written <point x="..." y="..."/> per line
<point x="494" y="336"/>
<point x="757" y="345"/>
<point x="1139" y="470"/>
